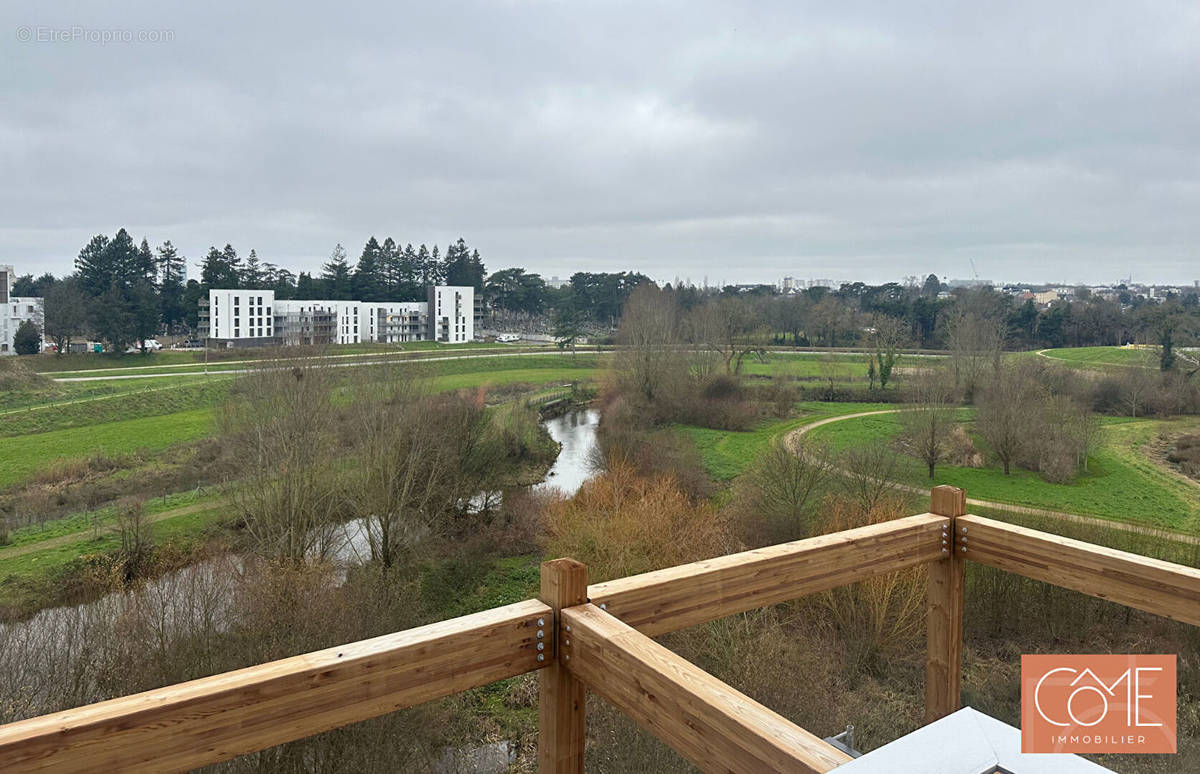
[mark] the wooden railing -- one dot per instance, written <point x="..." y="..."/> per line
<point x="597" y="638"/>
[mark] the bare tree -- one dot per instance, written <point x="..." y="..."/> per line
<point x="137" y="544"/>
<point x="929" y="418"/>
<point x="729" y="327"/>
<point x="66" y="315"/>
<point x="832" y="368"/>
<point x="651" y="365"/>
<point x="281" y="425"/>
<point x="976" y="342"/>
<point x="405" y="475"/>
<point x="1006" y="418"/>
<point x="869" y="473"/>
<point x="886" y="340"/>
<point x="782" y="484"/>
<point x="1137" y="382"/>
<point x="1083" y="427"/>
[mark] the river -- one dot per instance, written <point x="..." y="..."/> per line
<point x="574" y="431"/>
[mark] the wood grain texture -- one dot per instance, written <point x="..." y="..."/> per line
<point x="1163" y="588"/>
<point x="944" y="613"/>
<point x="217" y="718"/>
<point x="678" y="597"/>
<point x="712" y="725"/>
<point x="562" y="697"/>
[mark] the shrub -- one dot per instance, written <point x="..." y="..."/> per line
<point x="622" y="524"/>
<point x="28" y="339"/>
<point x="777" y="492"/>
<point x="875" y="618"/>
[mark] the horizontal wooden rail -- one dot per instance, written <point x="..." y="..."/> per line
<point x="217" y="718"/>
<point x="712" y="725"/>
<point x="1163" y="588"/>
<point x="690" y="594"/>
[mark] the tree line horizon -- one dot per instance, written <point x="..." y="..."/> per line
<point x="124" y="291"/>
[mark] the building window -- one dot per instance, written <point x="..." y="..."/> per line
<point x="237" y="332"/>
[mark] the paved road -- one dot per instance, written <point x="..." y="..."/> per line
<point x="792" y="438"/>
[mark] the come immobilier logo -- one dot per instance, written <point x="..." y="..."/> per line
<point x="1098" y="703"/>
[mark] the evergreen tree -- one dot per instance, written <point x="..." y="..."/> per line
<point x="367" y="284"/>
<point x="462" y="267"/>
<point x="306" y="287"/>
<point x="335" y="275"/>
<point x="234" y="265"/>
<point x="193" y="291"/>
<point x="437" y="269"/>
<point x="144" y="312"/>
<point x="25" y="285"/>
<point x="282" y="281"/>
<point x="252" y="276"/>
<point x="515" y="291"/>
<point x="28" y="285"/>
<point x="389" y="267"/>
<point x="170" y="284"/>
<point x="172" y="266"/>
<point x="219" y="269"/>
<point x="28" y="339"/>
<point x="112" y="318"/>
<point x="410" y="276"/>
<point x="931" y="287"/>
<point x="425" y="266"/>
<point x="146" y="267"/>
<point x="93" y="266"/>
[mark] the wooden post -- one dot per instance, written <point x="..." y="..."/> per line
<point x="944" y="612"/>
<point x="561" y="697"/>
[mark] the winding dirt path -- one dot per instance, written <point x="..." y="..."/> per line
<point x="792" y="438"/>
<point x="81" y="536"/>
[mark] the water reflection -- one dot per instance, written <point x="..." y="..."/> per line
<point x="576" y="431"/>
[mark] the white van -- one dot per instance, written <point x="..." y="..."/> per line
<point x="152" y="345"/>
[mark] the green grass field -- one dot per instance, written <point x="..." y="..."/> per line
<point x="1120" y="483"/>
<point x="1102" y="358"/>
<point x="726" y="454"/>
<point x="167" y="360"/>
<point x="27" y="454"/>
<point x="131" y="403"/>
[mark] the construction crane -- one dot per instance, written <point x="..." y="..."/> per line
<point x="974" y="270"/>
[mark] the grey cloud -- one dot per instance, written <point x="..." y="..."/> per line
<point x="734" y="141"/>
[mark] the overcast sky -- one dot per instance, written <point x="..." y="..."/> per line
<point x="1049" y="141"/>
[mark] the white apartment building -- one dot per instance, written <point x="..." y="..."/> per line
<point x="453" y="313"/>
<point x="15" y="310"/>
<point x="257" y="318"/>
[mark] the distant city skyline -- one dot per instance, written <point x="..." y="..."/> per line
<point x="1051" y="143"/>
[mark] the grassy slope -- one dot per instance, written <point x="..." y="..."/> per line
<point x="25" y="455"/>
<point x="49" y="363"/>
<point x="726" y="454"/>
<point x="1102" y="357"/>
<point x="1120" y="483"/>
<point x="132" y="404"/>
<point x="160" y="427"/>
